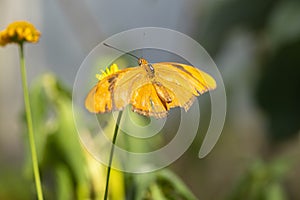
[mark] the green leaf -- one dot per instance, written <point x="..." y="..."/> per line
<point x="179" y="189"/>
<point x="162" y="184"/>
<point x="57" y="140"/>
<point x="64" y="183"/>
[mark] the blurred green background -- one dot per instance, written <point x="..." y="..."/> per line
<point x="256" y="46"/>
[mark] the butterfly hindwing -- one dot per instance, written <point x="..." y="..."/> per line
<point x="180" y="96"/>
<point x="146" y="101"/>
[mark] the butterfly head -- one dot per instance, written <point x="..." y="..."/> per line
<point x="142" y="61"/>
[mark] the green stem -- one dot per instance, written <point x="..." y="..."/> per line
<point x="30" y="127"/>
<point x="112" y="154"/>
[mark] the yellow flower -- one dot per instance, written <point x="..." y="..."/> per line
<point x="113" y="69"/>
<point x="19" y="32"/>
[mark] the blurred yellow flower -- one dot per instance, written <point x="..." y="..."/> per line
<point x="19" y="32"/>
<point x="113" y="69"/>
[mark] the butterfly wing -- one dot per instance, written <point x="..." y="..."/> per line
<point x="173" y="85"/>
<point x="181" y="83"/>
<point x="113" y="92"/>
<point x="146" y="101"/>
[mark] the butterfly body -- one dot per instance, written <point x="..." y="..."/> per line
<point x="147" y="67"/>
<point x="151" y="89"/>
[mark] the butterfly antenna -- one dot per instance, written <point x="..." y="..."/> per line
<point x="120" y="50"/>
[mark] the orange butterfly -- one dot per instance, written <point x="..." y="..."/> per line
<point x="151" y="89"/>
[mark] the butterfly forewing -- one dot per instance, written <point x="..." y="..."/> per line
<point x="127" y="84"/>
<point x="99" y="98"/>
<point x="196" y="78"/>
<point x="104" y="98"/>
